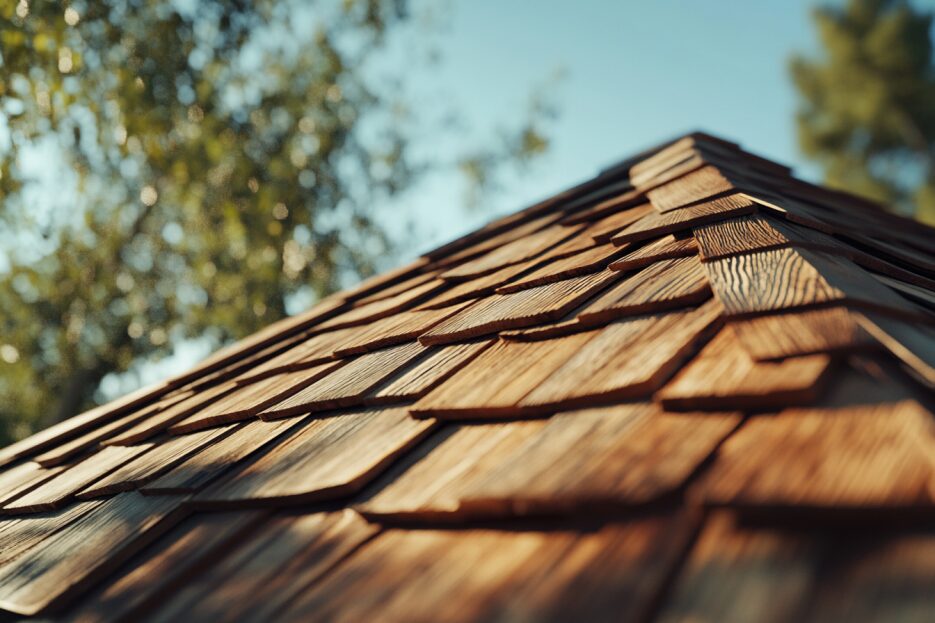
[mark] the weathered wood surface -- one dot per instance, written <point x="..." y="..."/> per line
<point x="532" y="423"/>
<point x="724" y="376"/>
<point x="326" y="458"/>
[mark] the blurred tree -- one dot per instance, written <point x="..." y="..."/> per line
<point x="867" y="109"/>
<point x="212" y="160"/>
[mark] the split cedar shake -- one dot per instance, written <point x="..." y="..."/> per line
<point x="691" y="388"/>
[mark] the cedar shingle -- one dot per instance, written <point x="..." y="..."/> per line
<point x="808" y="332"/>
<point x="605" y="229"/>
<point x="622" y="400"/>
<point x="625" y="360"/>
<point x="610" y="574"/>
<point x="438" y="365"/>
<point x="664" y="248"/>
<point x="398" y="329"/>
<point x="161" y="458"/>
<point x="84" y="550"/>
<point x="246" y="402"/>
<point x="18" y="479"/>
<point x="724" y="376"/>
<point x="349" y="384"/>
<point x="61" y="489"/>
<point x="327" y="458"/>
<point x="267" y="571"/>
<point x="758" y="233"/>
<point x="429" y="482"/>
<point x="784" y="279"/>
<point x="692" y="188"/>
<point x="591" y="260"/>
<point x="176" y="558"/>
<point x="497" y="380"/>
<point x="860" y="457"/>
<point x="218" y="456"/>
<point x="664" y="285"/>
<point x="746" y="573"/>
<point x="598" y="458"/>
<point x="655" y="224"/>
<point x="519" y="250"/>
<point x="519" y="309"/>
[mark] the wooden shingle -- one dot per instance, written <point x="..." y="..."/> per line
<point x="327" y="458"/>
<point x="692" y="387"/>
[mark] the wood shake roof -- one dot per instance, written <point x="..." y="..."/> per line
<point x="693" y="388"/>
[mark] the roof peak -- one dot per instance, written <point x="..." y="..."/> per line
<point x="697" y="331"/>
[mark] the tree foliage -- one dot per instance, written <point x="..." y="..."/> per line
<point x="867" y="108"/>
<point x="215" y="160"/>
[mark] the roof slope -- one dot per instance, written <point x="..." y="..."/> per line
<point x="692" y="388"/>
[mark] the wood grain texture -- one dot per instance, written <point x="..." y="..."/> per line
<point x="395" y="330"/>
<point x="645" y="172"/>
<point x="610" y="574"/>
<point x="592" y="260"/>
<point x="414" y="382"/>
<point x="61" y="489"/>
<point x="628" y="359"/>
<point x="605" y="229"/>
<point x="381" y="308"/>
<point x="246" y="402"/>
<point x="785" y="279"/>
<point x="519" y="250"/>
<point x="161" y="458"/>
<point x="599" y="458"/>
<point x="493" y="235"/>
<point x="84" y="550"/>
<point x="758" y="232"/>
<point x="219" y="455"/>
<point x="689" y="189"/>
<point x="667" y="172"/>
<point x="20" y="534"/>
<point x="429" y="482"/>
<point x="627" y="197"/>
<point x="310" y="351"/>
<point x="15" y="480"/>
<point x="493" y="384"/>
<point x="809" y="332"/>
<point x="416" y="279"/>
<point x="667" y="284"/>
<point x="265" y="573"/>
<point x="74" y="426"/>
<point x="574" y="462"/>
<point x="151" y="578"/>
<point x="478" y="287"/>
<point x="62" y="453"/>
<point x="861" y="457"/>
<point x="348" y="385"/>
<point x="326" y="459"/>
<point x="724" y="376"/>
<point x="664" y="248"/>
<point x="160" y="421"/>
<point x="519" y="309"/>
<point x="655" y="224"/>
<point x="805" y="575"/>
<point x="559" y="472"/>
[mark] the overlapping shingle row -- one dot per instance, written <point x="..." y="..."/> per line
<point x="673" y="392"/>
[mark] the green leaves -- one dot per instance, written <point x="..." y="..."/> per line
<point x="867" y="109"/>
<point x="219" y="162"/>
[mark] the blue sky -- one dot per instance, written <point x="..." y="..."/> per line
<point x="635" y="73"/>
